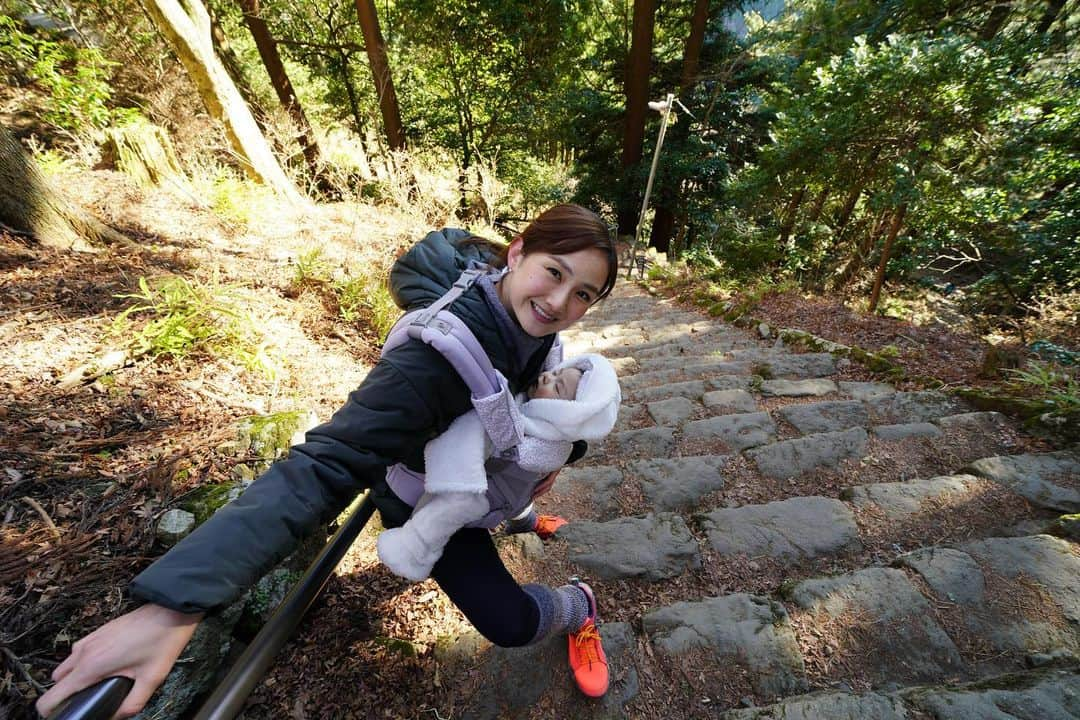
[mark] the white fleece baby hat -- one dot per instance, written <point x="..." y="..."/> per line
<point x="592" y="413"/>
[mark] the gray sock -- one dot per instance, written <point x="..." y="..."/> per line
<point x="562" y="610"/>
<point x="525" y="524"/>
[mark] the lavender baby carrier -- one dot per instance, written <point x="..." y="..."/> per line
<point x="509" y="486"/>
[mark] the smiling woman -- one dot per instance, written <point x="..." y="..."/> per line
<point x="561" y="265"/>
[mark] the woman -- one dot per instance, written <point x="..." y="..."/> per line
<point x="560" y="266"/>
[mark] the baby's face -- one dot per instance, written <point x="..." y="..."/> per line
<point x="556" y="385"/>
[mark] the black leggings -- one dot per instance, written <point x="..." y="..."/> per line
<point x="473" y="576"/>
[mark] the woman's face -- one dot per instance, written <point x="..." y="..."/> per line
<point x="549" y="293"/>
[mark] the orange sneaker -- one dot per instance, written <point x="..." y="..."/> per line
<point x="587" y="658"/>
<point x="546" y="525"/>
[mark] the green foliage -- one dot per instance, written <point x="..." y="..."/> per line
<point x="311" y="268"/>
<point x="1056" y="389"/>
<point x="178" y="318"/>
<point x="367" y="298"/>
<point x="77" y="79"/>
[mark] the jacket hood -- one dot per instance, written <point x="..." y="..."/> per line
<point x="424" y="274"/>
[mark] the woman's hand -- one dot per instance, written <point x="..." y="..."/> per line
<point x="141" y="645"/>
<point x="545" y="484"/>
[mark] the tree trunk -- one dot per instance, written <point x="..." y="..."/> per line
<point x="380" y="71"/>
<point x="819" y="205"/>
<point x="279" y="78"/>
<point x="189" y="37"/>
<point x="853" y="195"/>
<point x="790" y="213"/>
<point x="1053" y="9"/>
<point x="664" y="221"/>
<point x="999" y="14"/>
<point x="879" y="278"/>
<point x="636" y="83"/>
<point x="855" y="262"/>
<point x="236" y="71"/>
<point x="28" y="205"/>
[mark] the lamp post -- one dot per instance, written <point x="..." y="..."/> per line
<point x="664" y="106"/>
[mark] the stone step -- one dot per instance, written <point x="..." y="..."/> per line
<point x="792" y="458"/>
<point x="1040" y="694"/>
<point x="652" y="548"/>
<point x="1048" y="480"/>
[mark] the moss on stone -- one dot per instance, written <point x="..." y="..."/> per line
<point x="205" y="501"/>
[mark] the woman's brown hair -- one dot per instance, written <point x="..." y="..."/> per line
<point x="566" y="229"/>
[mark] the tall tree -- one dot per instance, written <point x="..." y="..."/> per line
<point x="638" y="67"/>
<point x="380" y="71"/>
<point x="668" y="197"/>
<point x="188" y="33"/>
<point x="29" y="205"/>
<point x="279" y="78"/>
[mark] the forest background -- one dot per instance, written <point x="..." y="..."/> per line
<point x="811" y="142"/>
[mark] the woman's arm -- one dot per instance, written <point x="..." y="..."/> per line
<point x="410" y="395"/>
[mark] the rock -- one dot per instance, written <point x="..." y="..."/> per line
<point x="866" y="390"/>
<point x="599" y="483"/>
<point x="798" y="388"/>
<point x="515" y="679"/>
<point x="195" y="669"/>
<point x="174" y="526"/>
<point x="692" y="390"/>
<point x="808" y="365"/>
<point x="902" y="499"/>
<point x="993" y="579"/>
<point x="1044" y="695"/>
<point x="742" y="630"/>
<point x="790" y="458"/>
<point x="902" y="643"/>
<point x="828" y="706"/>
<point x="671" y="412"/>
<point x="731" y="401"/>
<point x="797" y="528"/>
<point x="647" y="442"/>
<point x="911" y="407"/>
<point x="1066" y="526"/>
<point x="1034" y="476"/>
<point x="680" y="482"/>
<point x="737" y="432"/>
<point x="903" y="431"/>
<point x="826" y="416"/>
<point x="654" y="547"/>
<point x="764" y="331"/>
<point x="975" y="424"/>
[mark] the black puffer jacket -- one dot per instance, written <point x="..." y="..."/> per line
<point x="409" y="397"/>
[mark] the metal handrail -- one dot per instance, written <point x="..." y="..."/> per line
<point x="100" y="702"/>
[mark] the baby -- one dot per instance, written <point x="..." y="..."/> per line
<point x="576" y="400"/>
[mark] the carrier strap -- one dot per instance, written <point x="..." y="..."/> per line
<point x="445" y="332"/>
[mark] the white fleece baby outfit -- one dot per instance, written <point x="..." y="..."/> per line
<point x="455" y="480"/>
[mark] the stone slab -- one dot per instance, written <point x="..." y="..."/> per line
<point x="827" y="706"/>
<point x="911" y="407"/>
<point x="790" y="458"/>
<point x="646" y="442"/>
<point x="796" y="528"/>
<point x="671" y="412"/>
<point x="902" y="642"/>
<point x="1045" y="695"/>
<point x="901" y="499"/>
<point x="730" y="401"/>
<point x="826" y="416"/>
<point x="691" y="389"/>
<point x="866" y="390"/>
<point x="515" y="679"/>
<point x="742" y="630"/>
<point x="974" y="424"/>
<point x="1048" y="480"/>
<point x="903" y="431"/>
<point x="654" y="547"/>
<point x="738" y="432"/>
<point x="806" y="365"/>
<point x="679" y="482"/>
<point x="1003" y="586"/>
<point x="599" y="483"/>
<point x="814" y="387"/>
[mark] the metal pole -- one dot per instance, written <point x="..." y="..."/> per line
<point x="648" y="185"/>
<point x="230" y="695"/>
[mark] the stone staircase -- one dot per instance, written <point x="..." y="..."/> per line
<point x="771" y="537"/>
